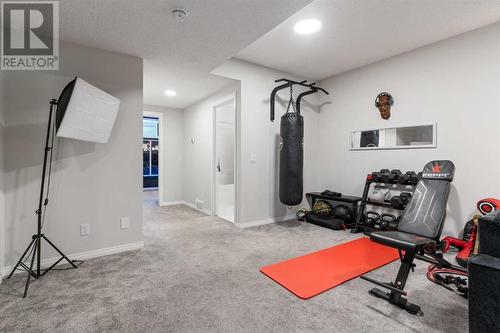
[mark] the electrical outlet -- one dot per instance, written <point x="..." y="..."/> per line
<point x="199" y="204"/>
<point x="84" y="229"/>
<point x="124" y="222"/>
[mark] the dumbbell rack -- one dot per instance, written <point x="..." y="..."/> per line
<point x="359" y="226"/>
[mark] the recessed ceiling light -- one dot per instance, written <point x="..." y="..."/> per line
<point x="307" y="26"/>
<point x="170" y="92"/>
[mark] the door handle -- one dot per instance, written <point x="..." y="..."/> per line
<point x="218" y="165"/>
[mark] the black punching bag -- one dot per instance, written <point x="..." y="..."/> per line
<point x="291" y="158"/>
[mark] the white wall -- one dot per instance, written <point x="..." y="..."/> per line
<point x="92" y="183"/>
<point x="171" y="151"/>
<point x="455" y="83"/>
<point x="198" y="164"/>
<point x="258" y="199"/>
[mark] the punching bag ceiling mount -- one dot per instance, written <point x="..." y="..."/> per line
<point x="291" y="148"/>
<point x="289" y="83"/>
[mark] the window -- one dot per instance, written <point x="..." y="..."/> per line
<point x="150" y="128"/>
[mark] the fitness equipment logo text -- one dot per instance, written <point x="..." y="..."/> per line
<point x="30" y="35"/>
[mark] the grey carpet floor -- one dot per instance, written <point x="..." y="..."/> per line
<point x="201" y="274"/>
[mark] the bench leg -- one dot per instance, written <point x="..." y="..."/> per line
<point x="399" y="301"/>
<point x="395" y="296"/>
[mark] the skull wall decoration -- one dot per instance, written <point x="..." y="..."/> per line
<point x="383" y="102"/>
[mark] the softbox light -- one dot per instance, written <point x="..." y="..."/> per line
<point x="82" y="112"/>
<point x="85" y="112"/>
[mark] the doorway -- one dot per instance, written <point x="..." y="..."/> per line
<point x="225" y="158"/>
<point x="151" y="156"/>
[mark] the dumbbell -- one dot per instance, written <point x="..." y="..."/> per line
<point x="392" y="176"/>
<point x="329" y="193"/>
<point x="409" y="178"/>
<point x="371" y="218"/>
<point x="376" y="176"/>
<point x="395" y="174"/>
<point x="387" y="221"/>
<point x="405" y="196"/>
<point x="399" y="201"/>
<point x="385" y="175"/>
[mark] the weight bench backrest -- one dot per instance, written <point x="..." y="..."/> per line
<point x="425" y="214"/>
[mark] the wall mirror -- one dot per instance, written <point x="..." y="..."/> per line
<point x="398" y="137"/>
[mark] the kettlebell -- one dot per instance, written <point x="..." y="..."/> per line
<point x="371" y="218"/>
<point x="386" y="220"/>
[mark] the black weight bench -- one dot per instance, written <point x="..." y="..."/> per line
<point x="420" y="227"/>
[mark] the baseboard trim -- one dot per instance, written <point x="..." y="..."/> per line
<point x="85" y="255"/>
<point x="204" y="211"/>
<point x="185" y="203"/>
<point x="171" y="203"/>
<point x="251" y="224"/>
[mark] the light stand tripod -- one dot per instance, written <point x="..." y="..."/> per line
<point x="34" y="249"/>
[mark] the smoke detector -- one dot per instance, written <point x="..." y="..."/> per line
<point x="179" y="15"/>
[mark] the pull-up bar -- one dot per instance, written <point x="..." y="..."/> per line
<point x="312" y="86"/>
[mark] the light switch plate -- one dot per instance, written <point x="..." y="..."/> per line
<point x="253" y="158"/>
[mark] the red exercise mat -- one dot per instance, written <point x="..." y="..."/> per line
<point x="311" y="274"/>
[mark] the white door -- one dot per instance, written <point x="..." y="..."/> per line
<point x="225" y="137"/>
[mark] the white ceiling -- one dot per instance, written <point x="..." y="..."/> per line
<point x="176" y="55"/>
<point x="359" y="32"/>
